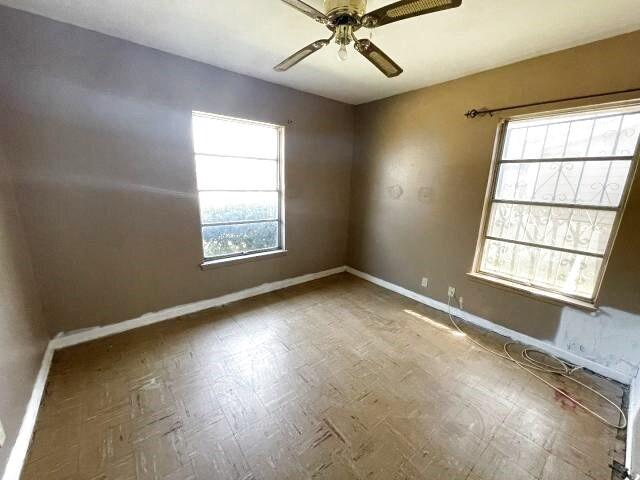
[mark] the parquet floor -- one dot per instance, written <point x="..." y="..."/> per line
<point x="335" y="379"/>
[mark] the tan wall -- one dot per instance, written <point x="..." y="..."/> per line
<point x="23" y="336"/>
<point x="99" y="131"/>
<point x="421" y="139"/>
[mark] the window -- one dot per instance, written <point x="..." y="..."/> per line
<point x="239" y="173"/>
<point x="558" y="188"/>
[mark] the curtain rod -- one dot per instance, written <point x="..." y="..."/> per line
<point x="490" y="111"/>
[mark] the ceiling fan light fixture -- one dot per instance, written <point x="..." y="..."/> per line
<point x="345" y="17"/>
<point x="343" y="54"/>
<point x="344" y="35"/>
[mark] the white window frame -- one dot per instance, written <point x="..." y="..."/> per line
<point x="535" y="290"/>
<point x="280" y="249"/>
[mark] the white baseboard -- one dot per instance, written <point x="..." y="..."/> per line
<point x="20" y="448"/>
<point x="633" y="452"/>
<point x="19" y="451"/>
<point x="499" y="329"/>
<point x="75" y="338"/>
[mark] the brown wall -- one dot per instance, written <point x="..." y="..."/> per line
<point x="100" y="137"/>
<point x="421" y="139"/>
<point x="23" y="336"/>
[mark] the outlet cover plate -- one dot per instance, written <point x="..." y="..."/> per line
<point x="425" y="282"/>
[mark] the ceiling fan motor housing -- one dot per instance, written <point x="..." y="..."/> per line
<point x="337" y="8"/>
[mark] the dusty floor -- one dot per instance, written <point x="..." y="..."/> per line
<point x="335" y="379"/>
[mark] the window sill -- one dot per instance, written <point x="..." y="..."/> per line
<point x="537" y="293"/>
<point x="254" y="257"/>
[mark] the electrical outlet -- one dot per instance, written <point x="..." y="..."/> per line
<point x="461" y="303"/>
<point x="425" y="282"/>
<point x="3" y="436"/>
<point x="452" y="291"/>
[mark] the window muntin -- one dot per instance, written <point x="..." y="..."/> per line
<point x="556" y="199"/>
<point x="239" y="177"/>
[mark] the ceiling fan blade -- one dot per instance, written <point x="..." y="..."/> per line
<point x="300" y="55"/>
<point x="381" y="60"/>
<point x="308" y="10"/>
<point x="406" y="9"/>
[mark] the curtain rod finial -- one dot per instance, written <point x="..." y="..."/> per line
<point x="478" y="113"/>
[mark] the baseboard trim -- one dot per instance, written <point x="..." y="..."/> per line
<point x="21" y="447"/>
<point x="499" y="329"/>
<point x="632" y="451"/>
<point x="76" y="338"/>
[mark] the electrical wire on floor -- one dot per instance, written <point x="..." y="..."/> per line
<point x="561" y="368"/>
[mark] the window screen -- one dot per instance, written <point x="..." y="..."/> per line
<point x="239" y="172"/>
<point x="556" y="198"/>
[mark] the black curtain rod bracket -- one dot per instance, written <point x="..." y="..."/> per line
<point x="482" y="112"/>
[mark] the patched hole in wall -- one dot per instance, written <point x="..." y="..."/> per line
<point x="395" y="192"/>
<point x="425" y="195"/>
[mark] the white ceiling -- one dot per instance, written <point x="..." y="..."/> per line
<point x="251" y="36"/>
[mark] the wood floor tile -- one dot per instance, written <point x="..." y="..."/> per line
<point x="334" y="379"/>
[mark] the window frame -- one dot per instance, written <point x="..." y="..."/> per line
<point x="536" y="291"/>
<point x="240" y="257"/>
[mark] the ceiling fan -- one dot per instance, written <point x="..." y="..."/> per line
<point x="345" y="17"/>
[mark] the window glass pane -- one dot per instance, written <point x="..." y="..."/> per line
<point x="629" y="133"/>
<point x="605" y="135"/>
<point x="567" y="273"/>
<point x="498" y="258"/>
<point x="507" y="181"/>
<point x="589" y="230"/>
<point x="603" y="183"/>
<point x="218" y="207"/>
<point x="534" y="142"/>
<point x="602" y="133"/>
<point x="578" y="141"/>
<point x="505" y="220"/>
<point x="556" y="140"/>
<point x="545" y="182"/>
<point x="571" y="228"/>
<point x="222" y="173"/>
<point x="596" y="183"/>
<point x="231" y="239"/>
<point x="536" y="224"/>
<point x="570" y="175"/>
<point x="226" y="137"/>
<point x="514" y="144"/>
